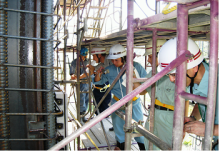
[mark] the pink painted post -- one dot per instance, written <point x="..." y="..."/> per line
<point x="129" y="72"/>
<point x="182" y="37"/>
<point x="213" y="69"/>
<point x="199" y="99"/>
<point x="197" y="4"/>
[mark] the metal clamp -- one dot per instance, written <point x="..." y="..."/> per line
<point x="141" y="122"/>
<point x="135" y="124"/>
<point x="128" y="129"/>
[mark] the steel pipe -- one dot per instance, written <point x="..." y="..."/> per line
<point x="129" y="71"/>
<point x="25" y="89"/>
<point x="28" y="38"/>
<point x="180" y="81"/>
<point x="179" y="60"/>
<point x="197" y="4"/>
<point x="78" y="70"/>
<point x="33" y="114"/>
<point x="65" y="43"/>
<point x="152" y="138"/>
<point x="26" y="66"/>
<point x="24" y="11"/>
<point x="147" y="134"/>
<point x="213" y="71"/>
<point x="189" y="96"/>
<point x="153" y="86"/>
<point x="69" y="81"/>
<point x="28" y="139"/>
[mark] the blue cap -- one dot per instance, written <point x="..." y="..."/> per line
<point x="84" y="51"/>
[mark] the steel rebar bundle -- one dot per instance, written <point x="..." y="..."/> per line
<point x="4" y="104"/>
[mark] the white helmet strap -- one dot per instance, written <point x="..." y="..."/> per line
<point x="192" y="80"/>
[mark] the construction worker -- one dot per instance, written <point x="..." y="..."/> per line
<point x="197" y="80"/>
<point x="117" y="54"/>
<point x="164" y="103"/>
<point x="99" y="56"/>
<point x="84" y="87"/>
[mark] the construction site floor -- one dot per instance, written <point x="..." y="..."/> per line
<point x="97" y="135"/>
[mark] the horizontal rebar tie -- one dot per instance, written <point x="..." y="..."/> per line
<point x="21" y="114"/>
<point x="28" y="38"/>
<point x="27" y="66"/>
<point x="25" y="11"/>
<point x="25" y="89"/>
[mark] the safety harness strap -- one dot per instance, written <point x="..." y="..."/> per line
<point x="192" y="82"/>
<point x="133" y="99"/>
<point x="103" y="89"/>
<point x="157" y="102"/>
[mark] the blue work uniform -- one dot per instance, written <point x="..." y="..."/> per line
<point x="120" y="91"/>
<point x="163" y="119"/>
<point x="84" y="87"/>
<point x="99" y="91"/>
<point x="202" y="90"/>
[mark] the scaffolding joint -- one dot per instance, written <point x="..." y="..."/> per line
<point x="140" y="122"/>
<point x="135" y="125"/>
<point x="128" y="129"/>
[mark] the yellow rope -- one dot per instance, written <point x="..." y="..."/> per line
<point x="85" y="132"/>
<point x="167" y="10"/>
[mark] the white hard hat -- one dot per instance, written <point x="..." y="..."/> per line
<point x="149" y="46"/>
<point x="168" y="53"/>
<point x="116" y="51"/>
<point x="98" y="51"/>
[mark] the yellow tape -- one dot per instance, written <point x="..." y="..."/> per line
<point x="167" y="10"/>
